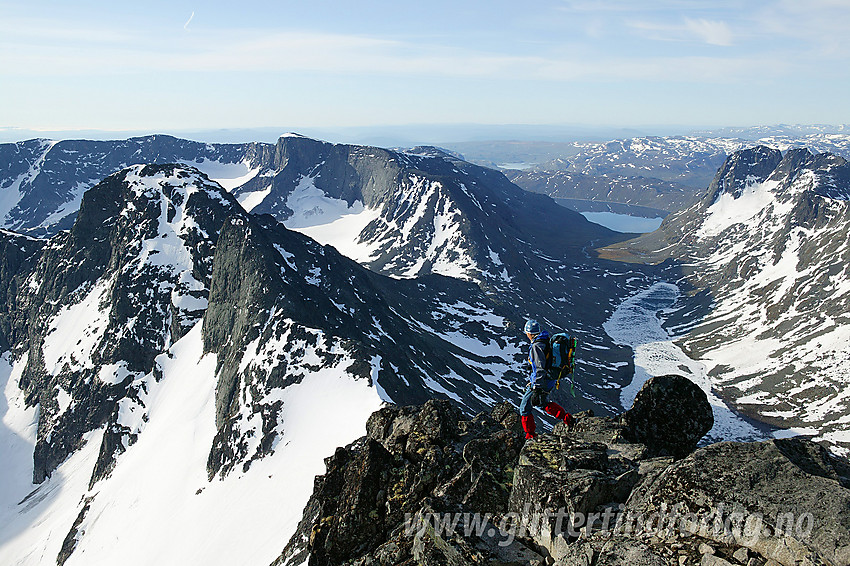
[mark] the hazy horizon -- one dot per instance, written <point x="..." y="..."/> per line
<point x="408" y="135"/>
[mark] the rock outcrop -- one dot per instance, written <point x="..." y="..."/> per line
<point x="785" y="499"/>
<point x="376" y="502"/>
<point x="426" y="486"/>
<point x="665" y="400"/>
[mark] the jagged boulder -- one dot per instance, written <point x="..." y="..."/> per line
<point x="384" y="499"/>
<point x="624" y="551"/>
<point x="670" y="415"/>
<point x="573" y="477"/>
<point x="559" y="482"/>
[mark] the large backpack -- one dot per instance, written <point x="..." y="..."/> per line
<point x="563" y="357"/>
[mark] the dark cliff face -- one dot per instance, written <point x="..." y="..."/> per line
<point x="426" y="486"/>
<point x="744" y="168"/>
<point x="129" y="279"/>
<point x="18" y="255"/>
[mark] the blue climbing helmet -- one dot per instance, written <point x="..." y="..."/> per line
<point x="532" y="327"/>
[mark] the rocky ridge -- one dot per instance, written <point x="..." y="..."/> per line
<point x="427" y="486"/>
<point x="43" y="181"/>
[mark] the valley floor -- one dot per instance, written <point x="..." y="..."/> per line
<point x="636" y="323"/>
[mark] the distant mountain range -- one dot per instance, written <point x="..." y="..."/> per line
<point x="661" y="173"/>
<point x="188" y="329"/>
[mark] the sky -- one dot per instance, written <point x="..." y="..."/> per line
<point x="182" y="65"/>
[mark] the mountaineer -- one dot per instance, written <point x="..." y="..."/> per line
<point x="541" y="382"/>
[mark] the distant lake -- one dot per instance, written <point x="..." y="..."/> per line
<point x="518" y="166"/>
<point x="624" y="222"/>
<point x="617" y="216"/>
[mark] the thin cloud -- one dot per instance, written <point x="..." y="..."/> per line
<point x="23" y="31"/>
<point x="711" y="32"/>
<point x="821" y="25"/>
<point x="704" y="31"/>
<point x="346" y="55"/>
<point x="630" y="6"/>
<point x="189" y="21"/>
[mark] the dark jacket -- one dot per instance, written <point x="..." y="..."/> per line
<point x="537" y="357"/>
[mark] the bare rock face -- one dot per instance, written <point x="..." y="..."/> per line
<point x="670" y="415"/>
<point x="377" y="502"/>
<point x="784" y="499"/>
<point x="427" y="486"/>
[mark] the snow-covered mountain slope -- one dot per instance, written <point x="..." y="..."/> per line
<point x="413" y="213"/>
<point x="175" y="355"/>
<point x="158" y="505"/>
<point x="42" y="182"/>
<point x="769" y="246"/>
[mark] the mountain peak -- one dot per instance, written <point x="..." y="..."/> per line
<point x="433" y="151"/>
<point x="744" y="168"/>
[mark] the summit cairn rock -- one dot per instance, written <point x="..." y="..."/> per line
<point x="670" y="415"/>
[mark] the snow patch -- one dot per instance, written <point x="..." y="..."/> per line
<point x="792" y="432"/>
<point x="18" y="429"/>
<point x="229" y="175"/>
<point x="330" y="221"/>
<point x="76" y="330"/>
<point x="252" y="200"/>
<point x="635" y="323"/>
<point x="728" y="210"/>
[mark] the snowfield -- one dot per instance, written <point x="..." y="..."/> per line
<point x="158" y="505"/>
<point x="331" y="221"/>
<point x="635" y="323"/>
